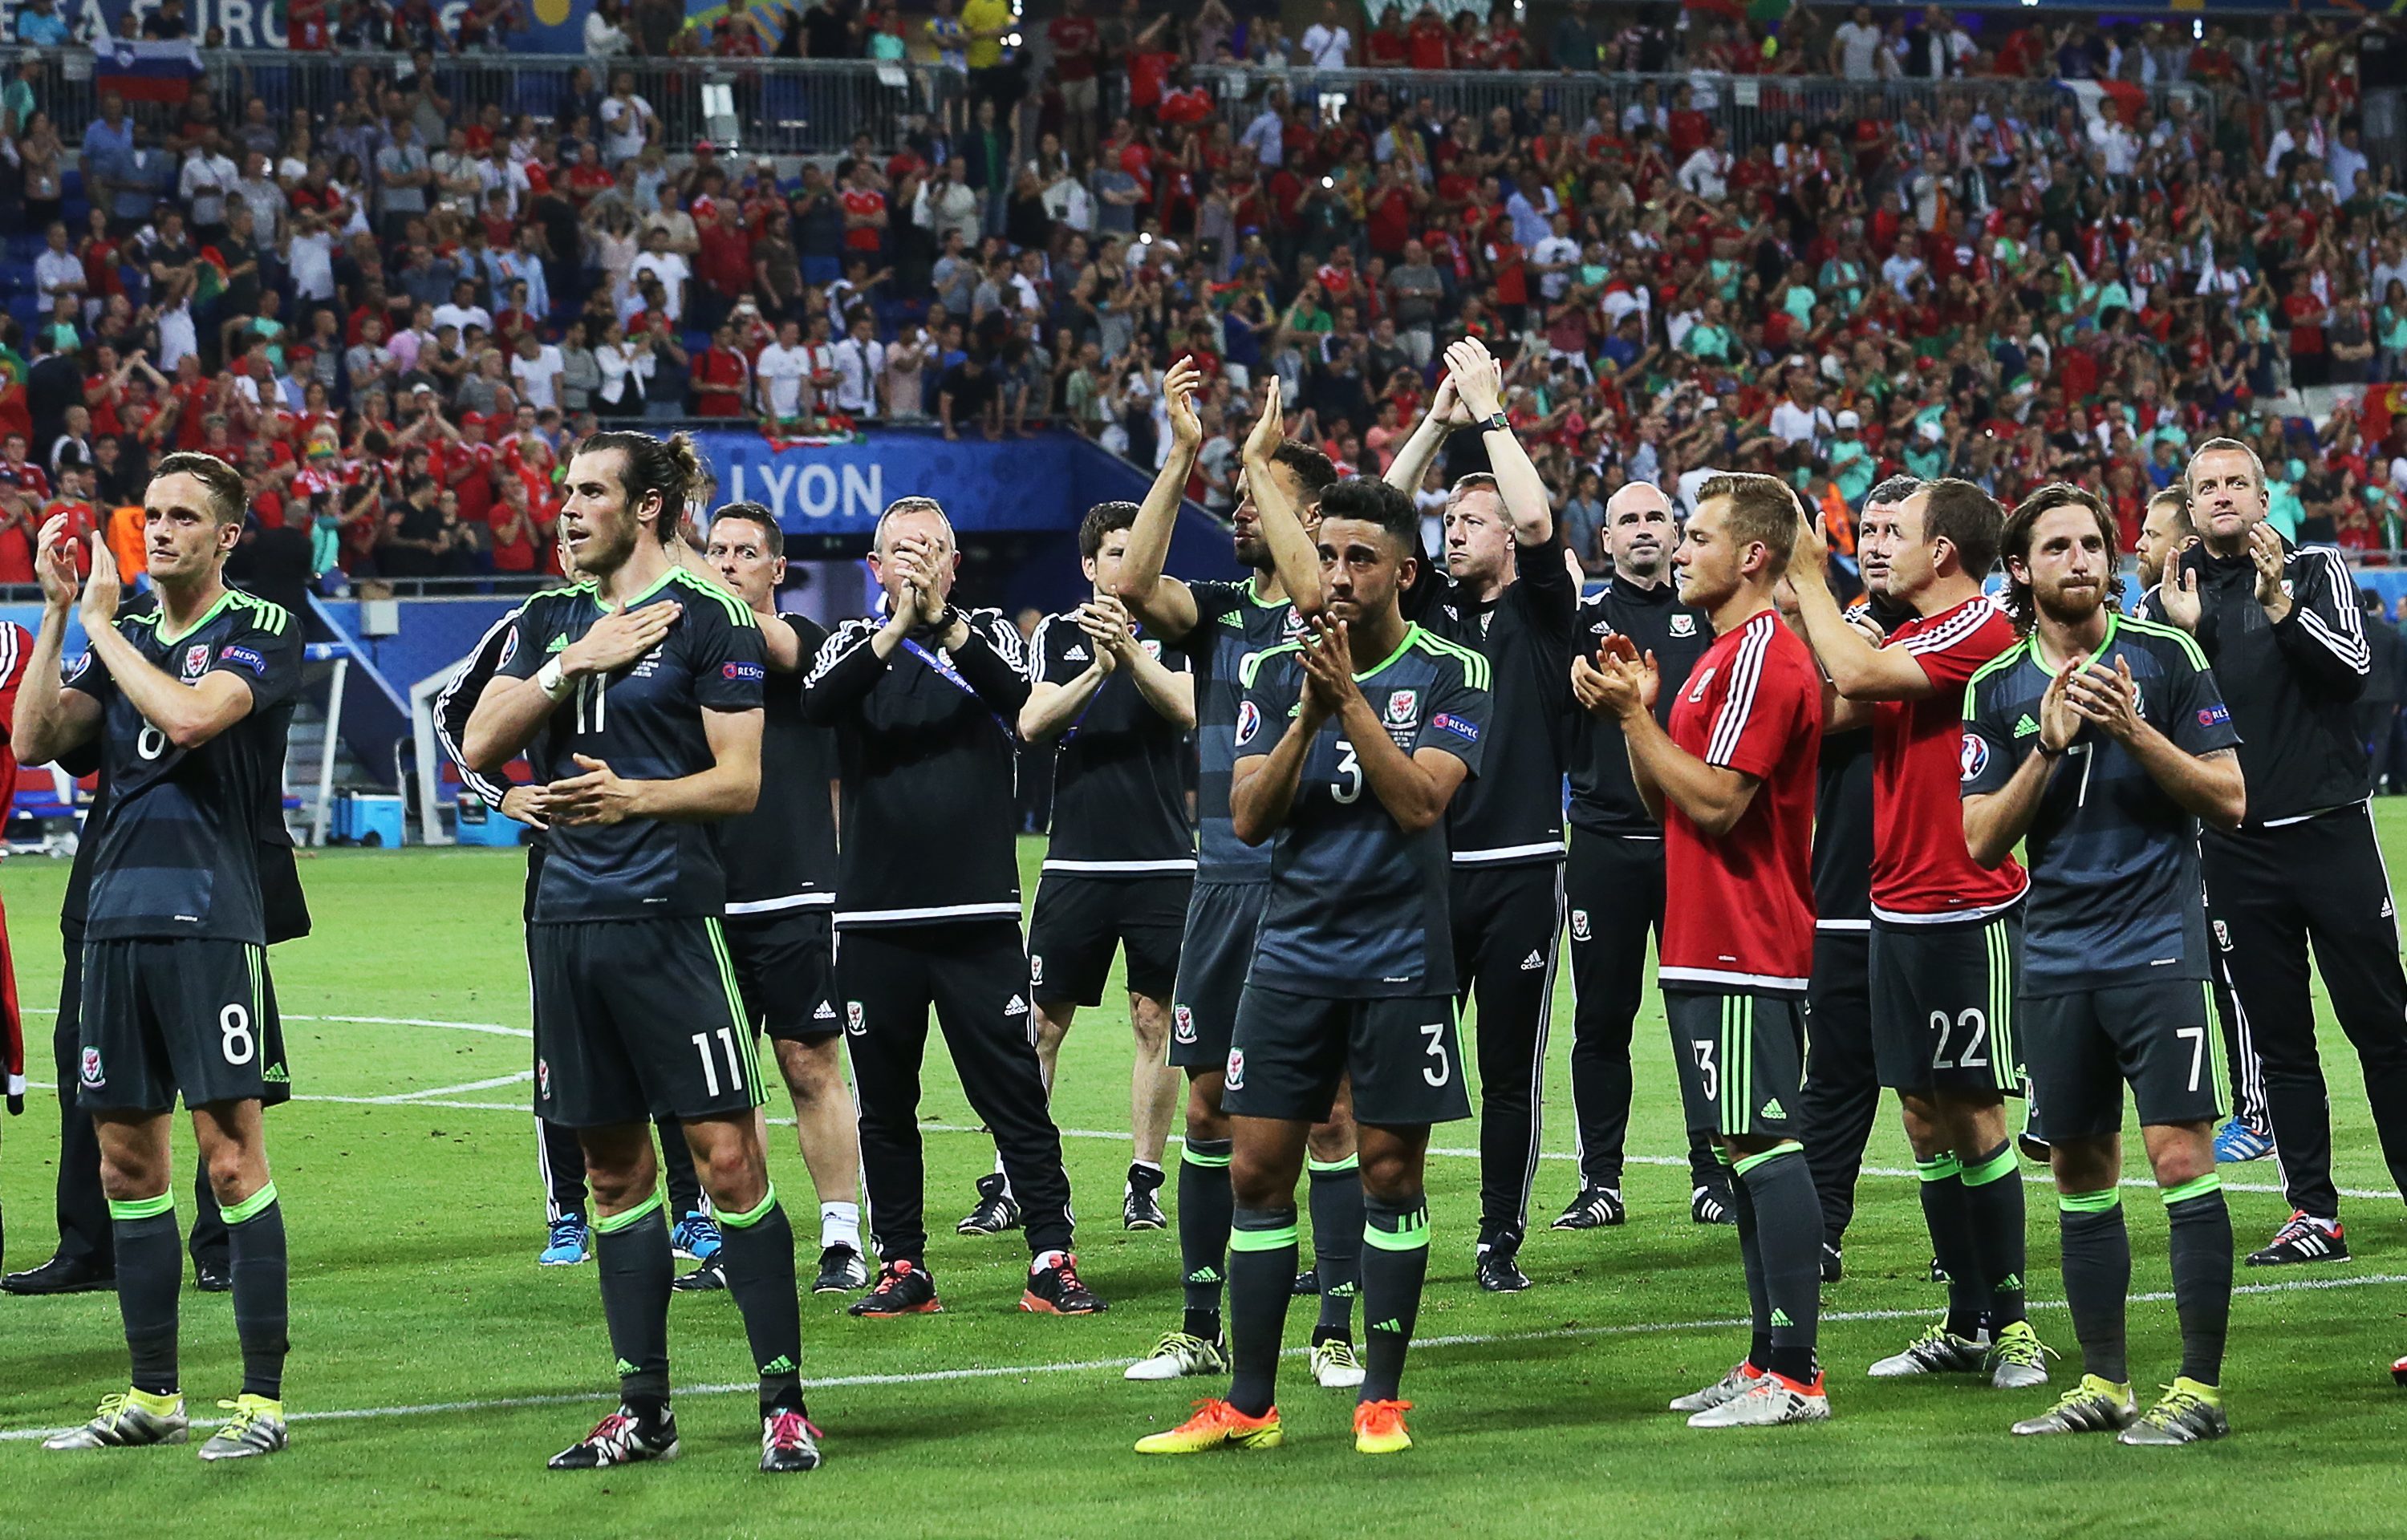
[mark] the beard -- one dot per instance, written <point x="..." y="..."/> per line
<point x="2070" y="607"/>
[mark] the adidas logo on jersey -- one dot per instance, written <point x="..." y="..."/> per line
<point x="1531" y="963"/>
<point x="2025" y="727"/>
<point x="1773" y="1109"/>
<point x="1075" y="655"/>
<point x="826" y="1012"/>
<point x="1018" y="1006"/>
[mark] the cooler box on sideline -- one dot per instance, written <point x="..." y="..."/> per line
<point x="366" y="818"/>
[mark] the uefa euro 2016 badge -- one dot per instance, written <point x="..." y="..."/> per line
<point x="1684" y="624"/>
<point x="1976" y="756"/>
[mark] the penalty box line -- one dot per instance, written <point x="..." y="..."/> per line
<point x="1097" y="1366"/>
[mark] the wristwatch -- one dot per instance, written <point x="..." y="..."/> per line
<point x="1495" y="424"/>
<point x="942" y="621"/>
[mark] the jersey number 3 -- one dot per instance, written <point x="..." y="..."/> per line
<point x="1347" y="788"/>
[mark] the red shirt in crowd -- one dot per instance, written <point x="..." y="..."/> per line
<point x="1073" y="46"/>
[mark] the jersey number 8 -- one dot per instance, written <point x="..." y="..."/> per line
<point x="235" y="1039"/>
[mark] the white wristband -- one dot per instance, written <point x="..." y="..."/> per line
<point x="552" y="680"/>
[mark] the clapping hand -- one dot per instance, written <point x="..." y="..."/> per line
<point x="2112" y="700"/>
<point x="1327" y="668"/>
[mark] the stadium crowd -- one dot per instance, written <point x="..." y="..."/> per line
<point x="395" y="318"/>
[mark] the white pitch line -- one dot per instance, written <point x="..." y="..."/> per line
<point x="401" y="1097"/>
<point x="491" y="1028"/>
<point x="1097" y="1366"/>
<point x="429" y="1098"/>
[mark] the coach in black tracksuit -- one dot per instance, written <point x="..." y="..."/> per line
<point x="1504" y="830"/>
<point x="923" y="697"/>
<point x="558" y="1154"/>
<point x="2281" y="626"/>
<point x="1614" y="884"/>
<point x="1841" y="1097"/>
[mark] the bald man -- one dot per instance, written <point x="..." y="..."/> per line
<point x="1614" y="882"/>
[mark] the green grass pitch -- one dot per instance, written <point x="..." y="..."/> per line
<point x="434" y="1365"/>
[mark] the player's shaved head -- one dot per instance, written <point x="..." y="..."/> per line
<point x="1640" y="530"/>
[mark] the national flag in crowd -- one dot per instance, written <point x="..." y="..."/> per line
<point x="210" y="279"/>
<point x="148" y="70"/>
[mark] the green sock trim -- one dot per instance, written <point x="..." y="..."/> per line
<point x="1413" y="1236"/>
<point x="1938" y="1167"/>
<point x="130" y="1209"/>
<point x="753" y="1215"/>
<point x="2089" y="1203"/>
<point x="1187" y="1153"/>
<point x="1351" y="1162"/>
<point x="610" y="1224"/>
<point x="2211" y="1182"/>
<point x="1743" y="1167"/>
<point x="1262" y="1240"/>
<point x="252" y="1206"/>
<point x="1996" y="1168"/>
